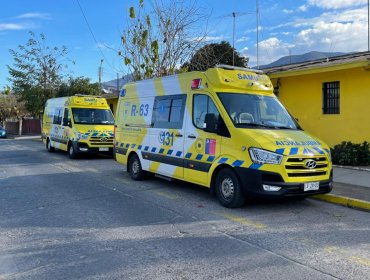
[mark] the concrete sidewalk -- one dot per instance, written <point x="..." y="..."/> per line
<point x="351" y="188"/>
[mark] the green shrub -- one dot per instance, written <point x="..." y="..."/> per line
<point x="347" y="153"/>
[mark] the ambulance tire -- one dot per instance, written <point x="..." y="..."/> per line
<point x="228" y="189"/>
<point x="48" y="146"/>
<point x="134" y="168"/>
<point x="72" y="151"/>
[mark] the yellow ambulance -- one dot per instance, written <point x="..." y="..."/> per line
<point x="223" y="129"/>
<point x="78" y="124"/>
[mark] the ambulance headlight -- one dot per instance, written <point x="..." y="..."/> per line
<point x="260" y="156"/>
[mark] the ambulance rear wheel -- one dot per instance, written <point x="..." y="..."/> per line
<point x="228" y="189"/>
<point x="134" y="168"/>
<point x="71" y="151"/>
<point x="49" y="147"/>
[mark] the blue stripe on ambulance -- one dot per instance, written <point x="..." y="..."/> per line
<point x="199" y="157"/>
<point x="255" y="166"/>
<point x="237" y="163"/>
<point x="222" y="160"/>
<point x="293" y="151"/>
<point x="210" y="158"/>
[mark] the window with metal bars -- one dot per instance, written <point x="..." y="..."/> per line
<point x="331" y="98"/>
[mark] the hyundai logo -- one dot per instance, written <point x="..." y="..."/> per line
<point x="103" y="139"/>
<point x="310" y="164"/>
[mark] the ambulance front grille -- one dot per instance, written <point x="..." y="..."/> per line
<point x="295" y="166"/>
<point x="101" y="141"/>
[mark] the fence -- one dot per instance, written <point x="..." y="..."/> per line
<point x="29" y="127"/>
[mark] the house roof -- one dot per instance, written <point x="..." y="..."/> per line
<point x="360" y="59"/>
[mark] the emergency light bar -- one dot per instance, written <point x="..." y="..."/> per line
<point x="229" y="67"/>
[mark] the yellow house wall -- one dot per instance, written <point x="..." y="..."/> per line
<point x="303" y="97"/>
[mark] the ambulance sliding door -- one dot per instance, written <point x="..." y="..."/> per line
<point x="201" y="148"/>
<point x="166" y="151"/>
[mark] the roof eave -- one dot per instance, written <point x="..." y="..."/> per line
<point x="317" y="68"/>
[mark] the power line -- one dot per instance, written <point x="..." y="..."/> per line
<point x="93" y="36"/>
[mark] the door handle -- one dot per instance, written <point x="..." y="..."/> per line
<point x="192" y="136"/>
<point x="178" y="135"/>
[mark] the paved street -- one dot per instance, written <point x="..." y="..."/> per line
<point x="86" y="219"/>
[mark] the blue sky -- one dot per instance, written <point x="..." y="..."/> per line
<point x="285" y="27"/>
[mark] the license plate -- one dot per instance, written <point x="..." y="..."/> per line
<point x="103" y="149"/>
<point x="313" y="186"/>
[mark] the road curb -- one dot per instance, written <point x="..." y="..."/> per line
<point x="358" y="168"/>
<point x="344" y="201"/>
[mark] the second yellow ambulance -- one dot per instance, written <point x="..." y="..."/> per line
<point x="78" y="124"/>
<point x="223" y="129"/>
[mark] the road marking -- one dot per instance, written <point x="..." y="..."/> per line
<point x="167" y="195"/>
<point x="243" y="221"/>
<point x="361" y="261"/>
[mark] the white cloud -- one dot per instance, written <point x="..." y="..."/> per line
<point x="336" y="4"/>
<point x="34" y="16"/>
<point x="11" y="26"/>
<point x="335" y="31"/>
<point x="242" y="39"/>
<point x="269" y="51"/>
<point x="334" y="36"/>
<point x="286" y="11"/>
<point x="303" y="8"/>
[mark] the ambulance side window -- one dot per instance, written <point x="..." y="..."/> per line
<point x="57" y="118"/>
<point x="168" y="111"/>
<point x="202" y="105"/>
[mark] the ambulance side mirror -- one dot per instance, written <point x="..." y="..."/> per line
<point x="210" y="122"/>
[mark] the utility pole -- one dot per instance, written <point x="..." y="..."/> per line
<point x="257" y="16"/>
<point x="233" y="38"/>
<point x="100" y="73"/>
<point x="368" y="26"/>
<point x="117" y="82"/>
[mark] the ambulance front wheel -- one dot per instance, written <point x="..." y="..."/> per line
<point x="48" y="146"/>
<point x="134" y="168"/>
<point x="228" y="189"/>
<point x="72" y="151"/>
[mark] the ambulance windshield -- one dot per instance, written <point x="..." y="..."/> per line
<point x="92" y="116"/>
<point x="257" y="111"/>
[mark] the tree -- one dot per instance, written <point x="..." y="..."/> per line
<point x="10" y="107"/>
<point x="156" y="44"/>
<point x="37" y="72"/>
<point x="213" y="54"/>
<point x="79" y="85"/>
